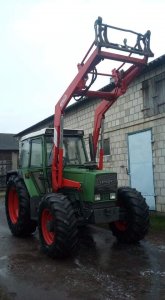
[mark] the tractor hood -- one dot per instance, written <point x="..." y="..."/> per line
<point x="92" y="181"/>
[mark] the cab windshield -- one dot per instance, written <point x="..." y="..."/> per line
<point x="74" y="151"/>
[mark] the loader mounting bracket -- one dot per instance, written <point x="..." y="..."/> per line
<point x="142" y="41"/>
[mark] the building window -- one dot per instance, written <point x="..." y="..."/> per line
<point x="106" y="146"/>
<point x="154" y="95"/>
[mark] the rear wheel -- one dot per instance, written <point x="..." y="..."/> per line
<point x="136" y="225"/>
<point x="17" y="205"/>
<point x="57" y="226"/>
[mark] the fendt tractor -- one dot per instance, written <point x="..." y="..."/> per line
<point x="57" y="188"/>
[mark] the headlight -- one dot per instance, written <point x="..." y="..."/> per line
<point x="97" y="197"/>
<point x="112" y="196"/>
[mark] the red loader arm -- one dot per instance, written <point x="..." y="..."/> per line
<point x="78" y="88"/>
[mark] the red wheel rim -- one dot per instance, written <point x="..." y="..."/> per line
<point x="121" y="225"/>
<point x="47" y="217"/>
<point x="13" y="205"/>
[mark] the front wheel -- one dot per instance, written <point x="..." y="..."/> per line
<point x="136" y="225"/>
<point x="57" y="226"/>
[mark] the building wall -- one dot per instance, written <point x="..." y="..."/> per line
<point x="8" y="161"/>
<point x="127" y="116"/>
<point x="14" y="158"/>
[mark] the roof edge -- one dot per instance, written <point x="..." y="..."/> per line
<point x="150" y="66"/>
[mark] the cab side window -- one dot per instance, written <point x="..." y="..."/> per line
<point x="24" y="157"/>
<point x="36" y="153"/>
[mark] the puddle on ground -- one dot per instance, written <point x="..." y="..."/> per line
<point x="102" y="270"/>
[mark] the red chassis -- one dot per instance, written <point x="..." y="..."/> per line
<point x="121" y="81"/>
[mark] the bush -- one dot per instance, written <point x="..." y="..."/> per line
<point x="157" y="222"/>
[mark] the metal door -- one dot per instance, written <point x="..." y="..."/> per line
<point x="140" y="165"/>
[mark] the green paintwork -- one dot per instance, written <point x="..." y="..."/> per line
<point x="87" y="179"/>
<point x="30" y="182"/>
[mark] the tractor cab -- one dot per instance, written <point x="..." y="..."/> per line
<point x="36" y="153"/>
<point x="74" y="150"/>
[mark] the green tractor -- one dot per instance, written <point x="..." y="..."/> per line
<point x="30" y="201"/>
<point x="57" y="188"/>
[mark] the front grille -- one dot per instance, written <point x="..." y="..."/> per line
<point x="106" y="183"/>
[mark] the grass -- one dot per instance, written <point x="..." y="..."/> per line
<point x="157" y="222"/>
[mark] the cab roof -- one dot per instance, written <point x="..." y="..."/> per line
<point x="50" y="132"/>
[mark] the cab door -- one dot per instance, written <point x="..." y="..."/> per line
<point x="36" y="164"/>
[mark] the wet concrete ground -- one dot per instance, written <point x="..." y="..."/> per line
<point x="102" y="270"/>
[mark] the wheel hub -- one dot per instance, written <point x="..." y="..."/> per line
<point x="47" y="224"/>
<point x="13" y="205"/>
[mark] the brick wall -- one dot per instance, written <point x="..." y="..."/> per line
<point x="126" y="116"/>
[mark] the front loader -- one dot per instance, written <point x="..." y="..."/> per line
<point x="57" y="187"/>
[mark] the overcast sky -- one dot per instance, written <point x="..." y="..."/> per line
<point x="41" y="42"/>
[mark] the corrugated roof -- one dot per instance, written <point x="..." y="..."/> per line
<point x="150" y="66"/>
<point x="154" y="63"/>
<point x="8" y="141"/>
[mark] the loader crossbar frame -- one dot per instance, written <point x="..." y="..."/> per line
<point x="141" y="46"/>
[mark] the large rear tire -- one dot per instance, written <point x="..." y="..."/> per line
<point x="17" y="204"/>
<point x="136" y="225"/>
<point x="57" y="226"/>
